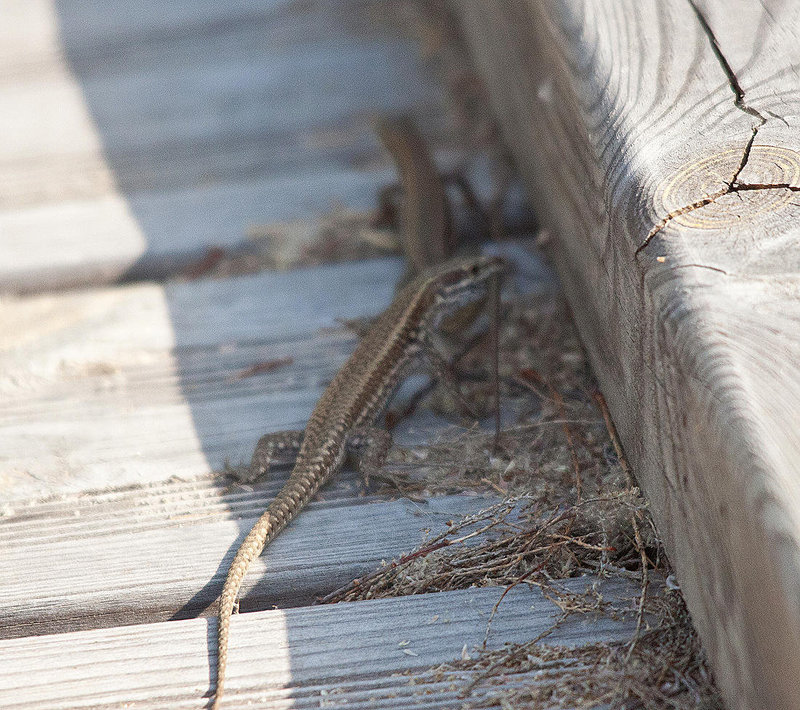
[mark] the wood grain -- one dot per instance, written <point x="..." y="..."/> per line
<point x="140" y="555"/>
<point x="659" y="141"/>
<point x="354" y="655"/>
<point x="135" y="384"/>
<point x="136" y="139"/>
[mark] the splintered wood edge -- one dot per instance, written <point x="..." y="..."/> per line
<point x="659" y="142"/>
<point x="353" y="651"/>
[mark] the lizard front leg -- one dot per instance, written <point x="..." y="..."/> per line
<point x="276" y="448"/>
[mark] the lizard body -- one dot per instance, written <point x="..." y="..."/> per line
<point x="397" y="340"/>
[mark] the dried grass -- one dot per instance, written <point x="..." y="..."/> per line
<point x="666" y="669"/>
<point x="570" y="507"/>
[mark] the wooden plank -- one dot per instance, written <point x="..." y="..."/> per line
<point x="136" y="384"/>
<point x="155" y="234"/>
<point x="141" y="555"/>
<point x="356" y="654"/>
<point x="129" y="385"/>
<point x="639" y="126"/>
<point x="137" y="139"/>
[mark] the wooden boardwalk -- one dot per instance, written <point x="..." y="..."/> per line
<point x="141" y="135"/>
<point x="140" y="142"/>
<point x="363" y="654"/>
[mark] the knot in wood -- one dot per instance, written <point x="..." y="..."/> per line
<point x="731" y="187"/>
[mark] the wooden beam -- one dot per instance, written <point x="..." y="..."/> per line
<point x="660" y="141"/>
<point x="378" y="653"/>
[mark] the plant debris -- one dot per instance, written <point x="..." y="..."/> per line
<point x="666" y="669"/>
<point x="569" y="507"/>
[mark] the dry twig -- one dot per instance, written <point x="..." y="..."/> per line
<point x="571" y="507"/>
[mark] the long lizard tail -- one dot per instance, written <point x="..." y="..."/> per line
<point x="285" y="506"/>
<point x="250" y="549"/>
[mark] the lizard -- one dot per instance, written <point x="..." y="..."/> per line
<point x="401" y="338"/>
<point x="427" y="232"/>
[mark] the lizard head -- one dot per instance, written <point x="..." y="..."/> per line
<point x="461" y="281"/>
<point x="439" y="292"/>
<point x="458" y="287"/>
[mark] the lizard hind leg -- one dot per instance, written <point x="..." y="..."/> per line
<point x="370" y="446"/>
<point x="274" y="449"/>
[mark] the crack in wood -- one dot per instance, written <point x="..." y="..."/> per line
<point x="748" y="186"/>
<point x="745" y="157"/>
<point x="697" y="204"/>
<point x="733" y="185"/>
<point x="730" y="189"/>
<point x="700" y="266"/>
<point x="733" y="80"/>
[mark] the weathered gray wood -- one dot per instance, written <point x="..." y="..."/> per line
<point x="139" y="383"/>
<point x="144" y="555"/>
<point x="152" y="235"/>
<point x="636" y="127"/>
<point x="353" y="655"/>
<point x="137" y="136"/>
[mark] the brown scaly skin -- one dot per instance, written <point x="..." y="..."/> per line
<point x="397" y="340"/>
<point x="427" y="234"/>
